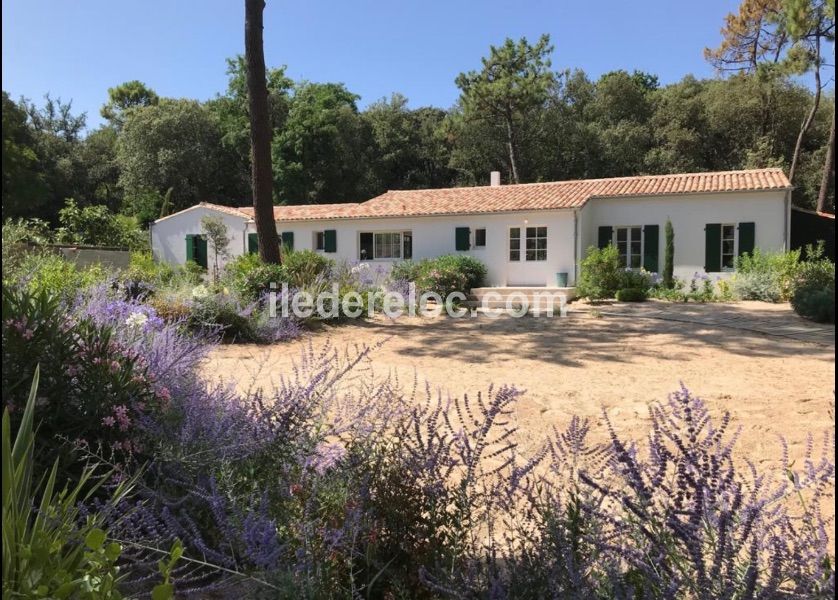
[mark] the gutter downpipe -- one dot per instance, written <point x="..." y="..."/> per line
<point x="787" y="222"/>
<point x="575" y="245"/>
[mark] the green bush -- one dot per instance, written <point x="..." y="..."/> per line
<point x="49" y="549"/>
<point x="249" y="277"/>
<point x="767" y="274"/>
<point x="443" y="275"/>
<point x="600" y="274"/>
<point x="636" y="279"/>
<point x="758" y="285"/>
<point x="814" y="287"/>
<point x="44" y="271"/>
<point x="97" y="226"/>
<point x="406" y="270"/>
<point x="632" y="294"/>
<point x="473" y="270"/>
<point x="303" y="267"/>
<point x="815" y="303"/>
<point x="222" y="311"/>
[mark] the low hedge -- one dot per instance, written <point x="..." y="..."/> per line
<point x="632" y="295"/>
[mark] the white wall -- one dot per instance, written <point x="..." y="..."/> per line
<point x="435" y="236"/>
<point x="168" y="236"/>
<point x="689" y="214"/>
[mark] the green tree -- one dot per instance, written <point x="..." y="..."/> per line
<point x="407" y="149"/>
<point x="321" y="154"/>
<point x="512" y="85"/>
<point x="218" y="239"/>
<point x="125" y="96"/>
<point x="231" y="110"/>
<point x="174" y="144"/>
<point x="25" y="191"/>
<point x="669" y="256"/>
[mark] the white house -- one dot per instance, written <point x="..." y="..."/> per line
<point x="528" y="234"/>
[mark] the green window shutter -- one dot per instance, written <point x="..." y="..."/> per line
<point x="461" y="238"/>
<point x="713" y="248"/>
<point x="604" y="236"/>
<point x="287" y="238"/>
<point x="330" y="240"/>
<point x="201" y="251"/>
<point x="253" y="243"/>
<point x="190" y="247"/>
<point x="747" y="238"/>
<point x="651" y="247"/>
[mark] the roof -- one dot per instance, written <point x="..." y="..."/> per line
<point x="307" y="212"/>
<point x="527" y="196"/>
<point x="565" y="194"/>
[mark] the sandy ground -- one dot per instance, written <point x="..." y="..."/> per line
<point x="773" y="386"/>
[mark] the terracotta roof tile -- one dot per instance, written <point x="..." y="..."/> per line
<point x="528" y="196"/>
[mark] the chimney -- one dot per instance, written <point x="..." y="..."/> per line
<point x="494" y="178"/>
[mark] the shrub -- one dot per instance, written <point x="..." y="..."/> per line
<point x="222" y="312"/>
<point x="632" y="295"/>
<point x="767" y="274"/>
<point x="303" y="267"/>
<point x="758" y="285"/>
<point x="473" y="270"/>
<point x="637" y="279"/>
<point x="251" y="278"/>
<point x="669" y="256"/>
<point x="815" y="303"/>
<point x="406" y="270"/>
<point x="97" y="390"/>
<point x="44" y="271"/>
<point x="600" y="273"/>
<point x="98" y="226"/>
<point x="50" y="549"/>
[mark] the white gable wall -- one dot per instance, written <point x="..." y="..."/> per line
<point x="168" y="235"/>
<point x="689" y="214"/>
<point x="435" y="236"/>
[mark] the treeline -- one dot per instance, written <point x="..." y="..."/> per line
<point x="516" y="114"/>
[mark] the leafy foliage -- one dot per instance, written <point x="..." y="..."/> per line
<point x="600" y="273"/>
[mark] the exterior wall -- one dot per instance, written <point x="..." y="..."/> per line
<point x="168" y="235"/>
<point x="435" y="236"/>
<point x="689" y="214"/>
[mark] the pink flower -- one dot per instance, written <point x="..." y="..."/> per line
<point x="28" y="334"/>
<point x="108" y="421"/>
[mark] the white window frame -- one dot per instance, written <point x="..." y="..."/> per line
<point x="722" y="238"/>
<point x="375" y="258"/>
<point x="509" y="249"/>
<point x="546" y="238"/>
<point x="629" y="253"/>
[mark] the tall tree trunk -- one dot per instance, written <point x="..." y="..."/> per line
<point x="807" y="123"/>
<point x="511" y="146"/>
<point x="828" y="168"/>
<point x="260" y="133"/>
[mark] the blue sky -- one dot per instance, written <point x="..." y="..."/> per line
<point x="76" y="50"/>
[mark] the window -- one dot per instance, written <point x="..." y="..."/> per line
<point x="479" y="238"/>
<point x="728" y="247"/>
<point x="515" y="244"/>
<point x="319" y="240"/>
<point x="386" y="245"/>
<point x="536" y="243"/>
<point x="630" y="246"/>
